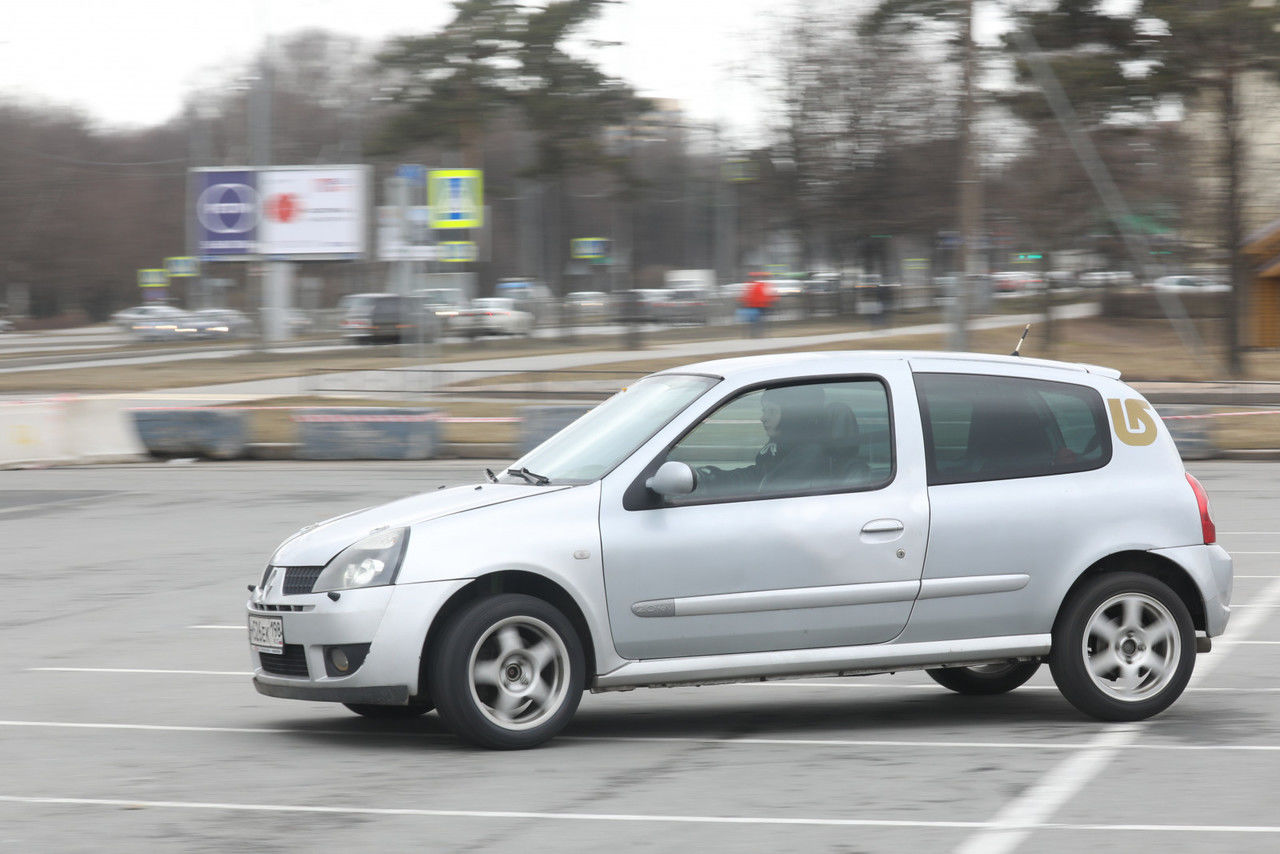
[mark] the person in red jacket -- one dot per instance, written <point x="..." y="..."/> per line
<point x="757" y="299"/>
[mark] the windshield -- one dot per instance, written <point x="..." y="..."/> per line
<point x="590" y="447"/>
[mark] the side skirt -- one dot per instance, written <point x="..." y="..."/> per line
<point x="830" y="661"/>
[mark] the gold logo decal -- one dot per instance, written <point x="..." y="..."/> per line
<point x="1134" y="425"/>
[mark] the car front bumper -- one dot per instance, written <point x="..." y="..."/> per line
<point x="392" y="620"/>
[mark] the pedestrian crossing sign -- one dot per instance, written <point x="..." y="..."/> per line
<point x="456" y="198"/>
<point x="155" y="277"/>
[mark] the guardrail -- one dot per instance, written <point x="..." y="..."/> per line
<point x="572" y="383"/>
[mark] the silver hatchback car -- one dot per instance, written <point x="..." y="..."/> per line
<point x="837" y="513"/>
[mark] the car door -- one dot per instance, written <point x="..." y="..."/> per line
<point x="831" y="561"/>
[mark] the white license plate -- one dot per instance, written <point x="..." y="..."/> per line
<point x="266" y="634"/>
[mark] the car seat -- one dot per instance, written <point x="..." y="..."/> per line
<point x="1006" y="442"/>
<point x="844" y="446"/>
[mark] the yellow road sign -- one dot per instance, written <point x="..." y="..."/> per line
<point x="155" y="277"/>
<point x="456" y="198"/>
<point x="458" y="251"/>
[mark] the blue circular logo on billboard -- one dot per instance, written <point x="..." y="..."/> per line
<point x="228" y="208"/>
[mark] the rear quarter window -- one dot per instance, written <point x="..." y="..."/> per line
<point x="979" y="427"/>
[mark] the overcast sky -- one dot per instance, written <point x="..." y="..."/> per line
<point x="130" y="62"/>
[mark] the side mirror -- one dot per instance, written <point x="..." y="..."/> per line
<point x="672" y="478"/>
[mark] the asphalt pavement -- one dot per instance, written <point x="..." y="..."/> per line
<point x="128" y="722"/>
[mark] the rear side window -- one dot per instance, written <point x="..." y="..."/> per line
<point x="979" y="427"/>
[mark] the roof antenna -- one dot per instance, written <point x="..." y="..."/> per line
<point x="1020" y="340"/>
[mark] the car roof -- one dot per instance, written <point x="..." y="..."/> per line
<point x="839" y="361"/>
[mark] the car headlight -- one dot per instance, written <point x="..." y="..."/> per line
<point x="371" y="562"/>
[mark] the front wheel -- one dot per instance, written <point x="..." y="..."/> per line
<point x="985" y="679"/>
<point x="508" y="672"/>
<point x="1123" y="647"/>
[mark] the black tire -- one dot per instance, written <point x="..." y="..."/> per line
<point x="1123" y="647"/>
<point x="521" y="699"/>
<point x="985" y="679"/>
<point x="389" y="713"/>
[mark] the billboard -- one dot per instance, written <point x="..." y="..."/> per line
<point x="226" y="214"/>
<point x="282" y="212"/>
<point x="313" y="211"/>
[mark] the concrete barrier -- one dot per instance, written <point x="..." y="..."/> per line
<point x="352" y="433"/>
<point x="540" y="423"/>
<point x="1191" y="431"/>
<point x="32" y="432"/>
<point x="101" y="430"/>
<point x="63" y="430"/>
<point x="219" y="434"/>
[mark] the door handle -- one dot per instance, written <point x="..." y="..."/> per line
<point x="882" y="526"/>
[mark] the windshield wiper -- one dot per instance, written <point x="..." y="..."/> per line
<point x="529" y="477"/>
<point x="493" y="478"/>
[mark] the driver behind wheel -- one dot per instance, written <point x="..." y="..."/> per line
<point x="794" y="419"/>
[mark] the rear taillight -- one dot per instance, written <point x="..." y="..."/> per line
<point x="1207" y="527"/>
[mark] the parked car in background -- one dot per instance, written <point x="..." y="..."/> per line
<point x="1010" y="282"/>
<point x="379" y="318"/>
<point x="821" y="293"/>
<point x="1106" y="279"/>
<point x="587" y="306"/>
<point x="6" y="325"/>
<point x="215" y="323"/>
<point x="494" y="316"/>
<point x="685" y="305"/>
<point x="145" y="320"/>
<point x="162" y="321"/>
<point x="1189" y="284"/>
<point x="530" y="296"/>
<point x="638" y="305"/>
<point x="444" y="304"/>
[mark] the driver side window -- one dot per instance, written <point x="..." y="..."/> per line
<point x="791" y="440"/>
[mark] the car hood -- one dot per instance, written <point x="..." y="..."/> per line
<point x="316" y="545"/>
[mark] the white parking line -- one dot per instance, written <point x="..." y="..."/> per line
<point x="1234" y="553"/>
<point x="929" y="686"/>
<point x="860" y="743"/>
<point x="616" y="817"/>
<point x="1018" y="818"/>
<point x="140" y="670"/>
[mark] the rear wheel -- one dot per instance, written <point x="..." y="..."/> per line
<point x="1123" y="647"/>
<point x="389" y="713"/>
<point x="985" y="679"/>
<point x="508" y="672"/>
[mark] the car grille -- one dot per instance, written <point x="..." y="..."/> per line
<point x="300" y="579"/>
<point x="292" y="662"/>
